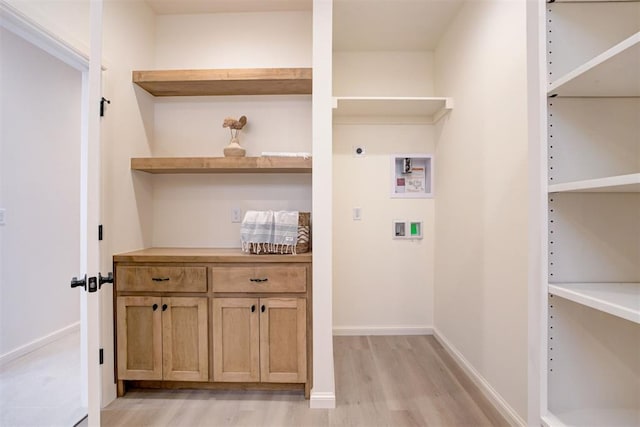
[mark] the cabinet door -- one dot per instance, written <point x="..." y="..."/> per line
<point x="283" y="340"/>
<point x="139" y="338"/>
<point x="236" y="340"/>
<point x="185" y="342"/>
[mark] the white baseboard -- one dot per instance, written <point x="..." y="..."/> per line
<point x="489" y="392"/>
<point x="36" y="344"/>
<point x="322" y="400"/>
<point x="381" y="330"/>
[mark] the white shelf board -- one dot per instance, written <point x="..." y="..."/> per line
<point x="613" y="184"/>
<point x="594" y="417"/>
<point x="613" y="73"/>
<point x="618" y="299"/>
<point x="352" y="109"/>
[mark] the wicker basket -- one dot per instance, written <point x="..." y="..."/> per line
<point x="303" y="244"/>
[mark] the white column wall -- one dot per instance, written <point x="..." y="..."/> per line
<point x="481" y="267"/>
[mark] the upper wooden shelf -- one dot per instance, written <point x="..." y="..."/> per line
<point x="427" y="110"/>
<point x="239" y="81"/>
<point x="613" y="73"/>
<point x="176" y="165"/>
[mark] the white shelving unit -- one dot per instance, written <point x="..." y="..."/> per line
<point x="423" y="110"/>
<point x="593" y="257"/>
<point x="613" y="184"/>
<point x="613" y="73"/>
<point x="619" y="299"/>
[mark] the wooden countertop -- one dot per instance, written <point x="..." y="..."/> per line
<point x="229" y="255"/>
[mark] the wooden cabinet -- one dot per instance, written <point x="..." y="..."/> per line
<point x="162" y="338"/>
<point x="213" y="318"/>
<point x="260" y="339"/>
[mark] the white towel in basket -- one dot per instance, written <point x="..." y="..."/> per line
<point x="268" y="229"/>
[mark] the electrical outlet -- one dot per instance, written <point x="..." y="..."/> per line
<point x="357" y="214"/>
<point x="2" y="216"/>
<point x="236" y="215"/>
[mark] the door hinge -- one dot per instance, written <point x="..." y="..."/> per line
<point x="100" y="232"/>
<point x="102" y="102"/>
<point x="101" y="356"/>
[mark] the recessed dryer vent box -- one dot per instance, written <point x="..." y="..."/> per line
<point x="411" y="176"/>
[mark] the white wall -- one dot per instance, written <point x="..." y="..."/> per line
<point x="234" y="40"/>
<point x="195" y="210"/>
<point x="381" y="285"/>
<point x="40" y="113"/>
<point x="383" y="73"/>
<point x="481" y="209"/>
<point x="127" y="131"/>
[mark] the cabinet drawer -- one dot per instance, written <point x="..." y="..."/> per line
<point x="259" y="278"/>
<point x="161" y="278"/>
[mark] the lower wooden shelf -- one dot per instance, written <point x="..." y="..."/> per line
<point x="176" y="165"/>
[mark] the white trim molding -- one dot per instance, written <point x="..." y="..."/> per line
<point x="381" y="330"/>
<point x="37" y="343"/>
<point x="487" y="390"/>
<point x="322" y="400"/>
<point x="33" y="32"/>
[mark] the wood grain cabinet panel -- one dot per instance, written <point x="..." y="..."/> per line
<point x="185" y="341"/>
<point x="236" y="340"/>
<point x="139" y="338"/>
<point x="162" y="278"/>
<point x="283" y="340"/>
<point x="260" y="340"/>
<point x="162" y="338"/>
<point x="259" y="278"/>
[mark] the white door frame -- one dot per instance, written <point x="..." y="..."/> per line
<point x="25" y="27"/>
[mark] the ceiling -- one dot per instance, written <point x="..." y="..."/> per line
<point x="174" y="7"/>
<point x="391" y="24"/>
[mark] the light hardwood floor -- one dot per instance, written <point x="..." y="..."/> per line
<point x="42" y="388"/>
<point x="380" y="381"/>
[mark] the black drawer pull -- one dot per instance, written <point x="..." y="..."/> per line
<point x="260" y="280"/>
<point x="160" y="279"/>
<point x="253" y="308"/>
<point x="155" y="307"/>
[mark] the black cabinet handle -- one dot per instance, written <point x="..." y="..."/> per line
<point x="262" y="308"/>
<point x="266" y="279"/>
<point x="164" y="307"/>
<point x="160" y="279"/>
<point x="155" y="307"/>
<point x="253" y="308"/>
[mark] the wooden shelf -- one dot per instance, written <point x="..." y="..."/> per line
<point x="241" y="81"/>
<point x="231" y="255"/>
<point x="176" y="165"/>
<point x="614" y="73"/>
<point x="618" y="299"/>
<point x="614" y="184"/>
<point x="390" y="109"/>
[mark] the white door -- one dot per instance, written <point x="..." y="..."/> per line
<point x="90" y="204"/>
<point x="85" y="210"/>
